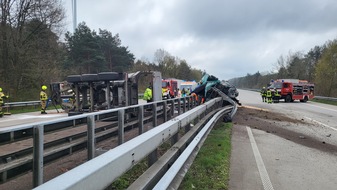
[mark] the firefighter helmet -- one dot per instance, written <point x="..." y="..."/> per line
<point x="0" y="89"/>
<point x="44" y="87"/>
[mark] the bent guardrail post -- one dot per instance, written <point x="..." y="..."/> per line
<point x="91" y="136"/>
<point x="228" y="99"/>
<point x="121" y="126"/>
<point x="37" y="155"/>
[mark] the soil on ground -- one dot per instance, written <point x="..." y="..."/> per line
<point x="275" y="123"/>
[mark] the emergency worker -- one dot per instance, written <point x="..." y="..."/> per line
<point x="2" y="97"/>
<point x="263" y="94"/>
<point x="148" y="94"/>
<point x="43" y="99"/>
<point x="183" y="93"/>
<point x="269" y="96"/>
<point x="276" y="97"/>
<point x="179" y="93"/>
<point x="194" y="96"/>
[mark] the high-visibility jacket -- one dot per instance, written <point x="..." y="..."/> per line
<point x="263" y="92"/>
<point x="2" y="95"/>
<point x="276" y="93"/>
<point x="268" y="93"/>
<point x="43" y="96"/>
<point x="148" y="94"/>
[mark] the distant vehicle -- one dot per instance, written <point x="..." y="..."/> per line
<point x="106" y="90"/>
<point x="293" y="89"/>
<point x="189" y="85"/>
<point x="169" y="88"/>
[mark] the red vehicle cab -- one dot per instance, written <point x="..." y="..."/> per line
<point x="169" y="88"/>
<point x="293" y="89"/>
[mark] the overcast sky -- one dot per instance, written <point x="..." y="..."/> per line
<point x="227" y="38"/>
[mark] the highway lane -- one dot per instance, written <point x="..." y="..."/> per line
<point x="285" y="163"/>
<point x="32" y="117"/>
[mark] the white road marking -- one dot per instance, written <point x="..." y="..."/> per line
<point x="260" y="165"/>
<point x="322" y="107"/>
<point x="320" y="123"/>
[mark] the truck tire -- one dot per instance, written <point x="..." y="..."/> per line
<point x="110" y="76"/>
<point x="89" y="77"/>
<point x="288" y="98"/>
<point x="305" y="99"/>
<point x="74" y="78"/>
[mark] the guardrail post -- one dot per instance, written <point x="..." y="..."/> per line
<point x="179" y="106"/>
<point x="184" y="104"/>
<point x="11" y="136"/>
<point x="152" y="157"/>
<point x="165" y="112"/>
<point x="154" y="117"/>
<point x="91" y="96"/>
<point x="188" y="103"/>
<point x="172" y="108"/>
<point x="91" y="137"/>
<point x="107" y="94"/>
<point x="141" y="119"/>
<point x="37" y="155"/>
<point x="187" y="127"/>
<point x="77" y="94"/>
<point x="121" y="126"/>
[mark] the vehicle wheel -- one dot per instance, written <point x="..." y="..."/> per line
<point x="305" y="99"/>
<point x="108" y="76"/>
<point x="288" y="98"/>
<point x="89" y="77"/>
<point x="74" y="78"/>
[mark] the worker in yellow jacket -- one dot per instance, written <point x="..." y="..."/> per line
<point x="43" y="99"/>
<point x="2" y="96"/>
<point x="148" y="94"/>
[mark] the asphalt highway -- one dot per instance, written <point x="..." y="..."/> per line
<point x="264" y="160"/>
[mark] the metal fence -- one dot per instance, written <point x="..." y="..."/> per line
<point x="100" y="172"/>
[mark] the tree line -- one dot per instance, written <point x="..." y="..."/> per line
<point x="32" y="53"/>
<point x="318" y="66"/>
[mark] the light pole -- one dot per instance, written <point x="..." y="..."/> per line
<point x="74" y="15"/>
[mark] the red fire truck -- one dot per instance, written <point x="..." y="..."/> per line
<point x="169" y="88"/>
<point x="293" y="89"/>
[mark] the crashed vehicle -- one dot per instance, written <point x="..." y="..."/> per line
<point x="106" y="90"/>
<point x="210" y="86"/>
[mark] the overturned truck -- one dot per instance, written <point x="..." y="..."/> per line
<point x="106" y="90"/>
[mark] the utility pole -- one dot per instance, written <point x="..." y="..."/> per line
<point x="74" y="15"/>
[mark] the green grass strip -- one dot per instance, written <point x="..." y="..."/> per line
<point x="210" y="169"/>
<point x="325" y="101"/>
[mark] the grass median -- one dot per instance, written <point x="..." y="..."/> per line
<point x="210" y="169"/>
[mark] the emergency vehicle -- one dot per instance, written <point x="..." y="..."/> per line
<point x="169" y="88"/>
<point x="293" y="89"/>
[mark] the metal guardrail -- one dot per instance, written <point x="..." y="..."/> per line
<point x="36" y="131"/>
<point x="37" y="103"/>
<point x="325" y="98"/>
<point x="166" y="181"/>
<point x="101" y="171"/>
<point x="22" y="104"/>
